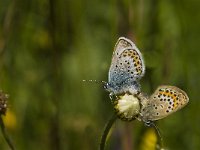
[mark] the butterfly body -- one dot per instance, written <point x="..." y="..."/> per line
<point x="124" y="87"/>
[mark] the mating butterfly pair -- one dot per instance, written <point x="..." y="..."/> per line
<point x="127" y="68"/>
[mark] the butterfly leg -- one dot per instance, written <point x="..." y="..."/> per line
<point x="158" y="133"/>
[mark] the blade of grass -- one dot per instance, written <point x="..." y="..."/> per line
<point x="8" y="141"/>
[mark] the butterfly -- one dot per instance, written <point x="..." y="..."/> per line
<point x="127" y="68"/>
<point x="164" y="101"/>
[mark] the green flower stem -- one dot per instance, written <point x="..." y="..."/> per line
<point x="106" y="131"/>
<point x="5" y="135"/>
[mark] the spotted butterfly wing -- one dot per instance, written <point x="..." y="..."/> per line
<point x="126" y="68"/>
<point x="163" y="102"/>
<point x="121" y="43"/>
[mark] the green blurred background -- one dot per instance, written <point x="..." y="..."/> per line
<point x="48" y="47"/>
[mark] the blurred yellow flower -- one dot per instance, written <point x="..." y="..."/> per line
<point x="9" y="120"/>
<point x="149" y="140"/>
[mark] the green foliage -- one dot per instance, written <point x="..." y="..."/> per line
<point x="48" y="47"/>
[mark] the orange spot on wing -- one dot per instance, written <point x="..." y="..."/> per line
<point x="172" y="96"/>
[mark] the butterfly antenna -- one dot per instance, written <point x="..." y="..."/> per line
<point x="95" y="81"/>
<point x="160" y="142"/>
